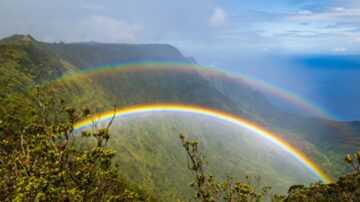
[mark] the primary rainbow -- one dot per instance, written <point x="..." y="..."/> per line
<point x="256" y="129"/>
<point x="165" y="66"/>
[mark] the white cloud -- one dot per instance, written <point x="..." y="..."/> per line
<point x="305" y="12"/>
<point x="218" y="17"/>
<point x="105" y="29"/>
<point x="92" y="6"/>
<point x="338" y="9"/>
<point x="208" y="24"/>
<point x="334" y="14"/>
<point x="265" y="49"/>
<point x="93" y="28"/>
<point x="339" y="49"/>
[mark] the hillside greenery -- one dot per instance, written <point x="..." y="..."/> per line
<point x="313" y="136"/>
<point x="208" y="189"/>
<point x="148" y="153"/>
<point x="42" y="160"/>
<point x="347" y="188"/>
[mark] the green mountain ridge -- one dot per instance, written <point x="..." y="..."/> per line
<point x="25" y="63"/>
<point x="85" y="55"/>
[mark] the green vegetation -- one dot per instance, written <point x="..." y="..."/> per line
<point x="347" y="188"/>
<point x="147" y="151"/>
<point x="42" y="160"/>
<point x="314" y="137"/>
<point x="207" y="188"/>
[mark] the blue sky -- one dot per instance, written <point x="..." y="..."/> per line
<point x="194" y="26"/>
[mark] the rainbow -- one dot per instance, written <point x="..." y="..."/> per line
<point x="241" y="122"/>
<point x="287" y="95"/>
<point x="148" y="66"/>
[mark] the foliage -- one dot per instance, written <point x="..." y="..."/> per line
<point x="207" y="188"/>
<point x="24" y="63"/>
<point x="349" y="160"/>
<point x="42" y="160"/>
<point x="347" y="188"/>
<point x="150" y="154"/>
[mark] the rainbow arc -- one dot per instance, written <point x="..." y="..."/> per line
<point x="149" y="66"/>
<point x="215" y="114"/>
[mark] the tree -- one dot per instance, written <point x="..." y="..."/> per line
<point x="41" y="159"/>
<point x="347" y="188"/>
<point x="207" y="188"/>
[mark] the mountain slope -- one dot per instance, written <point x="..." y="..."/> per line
<point x="26" y="64"/>
<point x="315" y="137"/>
<point x="146" y="153"/>
<point x="85" y="55"/>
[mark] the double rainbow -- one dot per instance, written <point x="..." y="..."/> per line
<point x="149" y="66"/>
<point x="211" y="113"/>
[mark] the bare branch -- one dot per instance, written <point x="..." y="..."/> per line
<point x="112" y="118"/>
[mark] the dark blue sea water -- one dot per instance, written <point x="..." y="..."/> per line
<point x="335" y="83"/>
<point x="330" y="81"/>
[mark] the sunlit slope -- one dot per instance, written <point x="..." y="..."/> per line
<point x="149" y="151"/>
<point x="23" y="63"/>
<point x="26" y="64"/>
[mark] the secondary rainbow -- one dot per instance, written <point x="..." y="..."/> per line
<point x="211" y="113"/>
<point x="150" y="66"/>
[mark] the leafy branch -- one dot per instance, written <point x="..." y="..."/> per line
<point x="207" y="188"/>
